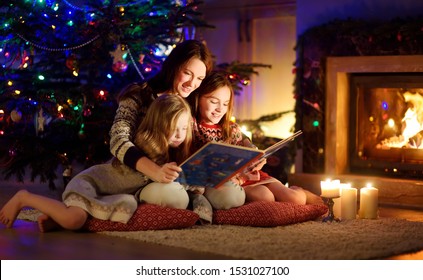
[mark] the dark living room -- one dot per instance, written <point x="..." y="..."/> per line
<point x="303" y="53"/>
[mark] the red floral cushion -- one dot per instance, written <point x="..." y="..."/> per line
<point x="268" y="214"/>
<point x="147" y="217"/>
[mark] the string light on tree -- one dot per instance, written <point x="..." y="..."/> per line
<point x="54" y="54"/>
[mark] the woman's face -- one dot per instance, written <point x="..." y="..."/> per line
<point x="180" y="133"/>
<point x="213" y="106"/>
<point x="189" y="77"/>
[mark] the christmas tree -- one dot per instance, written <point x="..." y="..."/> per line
<point x="63" y="64"/>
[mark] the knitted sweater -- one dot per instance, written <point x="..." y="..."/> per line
<point x="205" y="133"/>
<point x="129" y="115"/>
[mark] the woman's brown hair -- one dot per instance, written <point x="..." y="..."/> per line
<point x="177" y="59"/>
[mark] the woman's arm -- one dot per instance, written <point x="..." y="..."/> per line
<point x="166" y="173"/>
<point x="126" y="121"/>
<point x="128" y="116"/>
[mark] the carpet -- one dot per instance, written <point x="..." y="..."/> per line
<point x="348" y="240"/>
<point x="313" y="240"/>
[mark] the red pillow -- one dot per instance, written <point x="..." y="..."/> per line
<point x="268" y="214"/>
<point x="258" y="214"/>
<point x="147" y="217"/>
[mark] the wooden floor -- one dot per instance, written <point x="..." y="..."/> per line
<point x="24" y="241"/>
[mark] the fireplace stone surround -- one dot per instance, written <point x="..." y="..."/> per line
<point x="392" y="191"/>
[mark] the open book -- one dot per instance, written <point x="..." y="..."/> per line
<point x="215" y="163"/>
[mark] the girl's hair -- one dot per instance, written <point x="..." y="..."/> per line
<point x="159" y="124"/>
<point x="212" y="82"/>
<point x="177" y="59"/>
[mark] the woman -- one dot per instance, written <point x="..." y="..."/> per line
<point x="181" y="73"/>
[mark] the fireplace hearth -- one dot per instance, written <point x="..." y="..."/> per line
<point x="386" y="120"/>
<point x="405" y="191"/>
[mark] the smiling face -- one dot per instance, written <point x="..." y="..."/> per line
<point x="189" y="77"/>
<point x="180" y="132"/>
<point x="213" y="106"/>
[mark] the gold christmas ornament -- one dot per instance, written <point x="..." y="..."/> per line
<point x="16" y="115"/>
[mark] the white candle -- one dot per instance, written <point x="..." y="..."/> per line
<point x="368" y="202"/>
<point x="337" y="207"/>
<point x="348" y="202"/>
<point x="330" y="189"/>
<point x="337" y="201"/>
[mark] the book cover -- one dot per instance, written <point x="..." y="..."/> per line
<point x="215" y="163"/>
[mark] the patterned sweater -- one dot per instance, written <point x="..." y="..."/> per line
<point x="129" y="115"/>
<point x="204" y="133"/>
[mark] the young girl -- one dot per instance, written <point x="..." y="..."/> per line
<point x="106" y="191"/>
<point x="181" y="73"/>
<point x="212" y="106"/>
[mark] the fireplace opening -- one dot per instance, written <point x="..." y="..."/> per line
<point x="386" y="120"/>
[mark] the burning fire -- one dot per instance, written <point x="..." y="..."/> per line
<point x="412" y="123"/>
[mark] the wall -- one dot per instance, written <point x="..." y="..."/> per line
<point x="313" y="13"/>
<point x="267" y="35"/>
<point x="273" y="29"/>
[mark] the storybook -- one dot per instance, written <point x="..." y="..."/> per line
<point x="215" y="163"/>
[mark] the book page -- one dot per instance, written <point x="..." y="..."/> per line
<point x="275" y="147"/>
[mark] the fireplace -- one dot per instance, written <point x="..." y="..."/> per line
<point x="386" y="120"/>
<point x="344" y="158"/>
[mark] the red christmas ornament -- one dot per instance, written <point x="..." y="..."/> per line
<point x="87" y="112"/>
<point x="71" y="62"/>
<point x="120" y="67"/>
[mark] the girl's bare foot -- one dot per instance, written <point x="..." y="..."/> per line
<point x="46" y="224"/>
<point x="11" y="209"/>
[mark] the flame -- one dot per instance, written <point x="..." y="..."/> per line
<point x="412" y="123"/>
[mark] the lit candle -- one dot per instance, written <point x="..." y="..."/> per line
<point x="348" y="202"/>
<point x="330" y="189"/>
<point x="368" y="202"/>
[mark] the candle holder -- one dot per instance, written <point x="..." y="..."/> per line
<point x="330" y="217"/>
